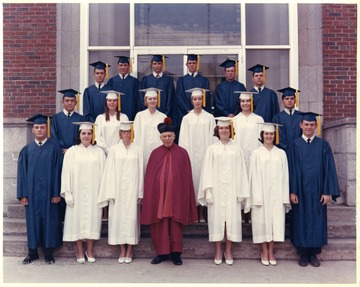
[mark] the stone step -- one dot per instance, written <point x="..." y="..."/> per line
<point x="13" y="226"/>
<point x="200" y="248"/>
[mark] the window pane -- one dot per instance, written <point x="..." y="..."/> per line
<point x="267" y="24"/>
<point x="187" y="24"/>
<point x="109" y="24"/>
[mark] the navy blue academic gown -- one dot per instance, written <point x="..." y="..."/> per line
<point x="182" y="102"/>
<point x="290" y="129"/>
<point x="94" y="102"/>
<point x="164" y="83"/>
<point x="130" y="101"/>
<point x="226" y="101"/>
<point x="312" y="174"/>
<point x="63" y="131"/>
<point x="38" y="179"/>
<point x="266" y="104"/>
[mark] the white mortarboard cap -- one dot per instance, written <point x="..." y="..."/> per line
<point x="151" y="92"/>
<point x="125" y="125"/>
<point x="85" y="125"/>
<point x="245" y="95"/>
<point x="111" y="94"/>
<point x="223" y="121"/>
<point x="197" y="91"/>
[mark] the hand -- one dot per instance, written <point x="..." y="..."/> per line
<point x="294" y="198"/>
<point x="55" y="199"/>
<point x="325" y="199"/>
<point x="24" y="201"/>
<point x="208" y="196"/>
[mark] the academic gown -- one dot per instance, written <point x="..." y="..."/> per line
<point x="290" y="129"/>
<point x="146" y="134"/>
<point x="94" y="101"/>
<point x="247" y="134"/>
<point x="183" y="199"/>
<point x="312" y="174"/>
<point x="266" y="103"/>
<point x="269" y="194"/>
<point x="182" y="101"/>
<point x="123" y="184"/>
<point x="38" y="179"/>
<point x="130" y="101"/>
<point x="224" y="172"/>
<point x="226" y="101"/>
<point x="107" y="132"/>
<point x="80" y="184"/>
<point x="196" y="135"/>
<point x="62" y="129"/>
<point x="167" y="94"/>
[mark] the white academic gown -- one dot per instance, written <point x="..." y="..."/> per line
<point x="107" y="132"/>
<point x="146" y="134"/>
<point x="196" y="135"/>
<point x="247" y="134"/>
<point x="80" y="184"/>
<point x="122" y="185"/>
<point x="269" y="194"/>
<point x="224" y="172"/>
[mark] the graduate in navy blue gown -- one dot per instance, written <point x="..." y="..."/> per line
<point x="158" y="80"/>
<point x="62" y="129"/>
<point x="266" y="101"/>
<point x="93" y="100"/>
<point x="129" y="86"/>
<point x="289" y="118"/>
<point x="193" y="79"/>
<point x="38" y="189"/>
<point x="226" y="101"/>
<point x="313" y="185"/>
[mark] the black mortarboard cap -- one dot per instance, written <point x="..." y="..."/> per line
<point x="157" y="58"/>
<point x="38" y="119"/>
<point x="69" y="93"/>
<point x="192" y="57"/>
<point x="258" y="68"/>
<point x="228" y="63"/>
<point x="99" y="65"/>
<point x="123" y="59"/>
<point x="310" y="116"/>
<point x="288" y="91"/>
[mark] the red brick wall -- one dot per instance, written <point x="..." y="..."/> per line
<point x="29" y="59"/>
<point x="339" y="61"/>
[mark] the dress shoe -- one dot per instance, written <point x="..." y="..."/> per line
<point x="303" y="262"/>
<point x="314" y="261"/>
<point x="175" y="257"/>
<point x="30" y="258"/>
<point x="158" y="259"/>
<point x="121" y="260"/>
<point x="80" y="260"/>
<point x="49" y="259"/>
<point x="128" y="260"/>
<point x="228" y="262"/>
<point x="264" y="262"/>
<point x="218" y="261"/>
<point x="202" y="220"/>
<point x="90" y="259"/>
<point x="272" y="262"/>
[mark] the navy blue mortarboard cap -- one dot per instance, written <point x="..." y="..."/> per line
<point x="192" y="57"/>
<point x="38" y="119"/>
<point x="99" y="65"/>
<point x="288" y="91"/>
<point x="69" y="93"/>
<point x="258" y="68"/>
<point x="157" y="58"/>
<point x="123" y="59"/>
<point x="228" y="63"/>
<point x="310" y="116"/>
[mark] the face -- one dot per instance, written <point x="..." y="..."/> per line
<point x="245" y="105"/>
<point x="157" y="67"/>
<point x="258" y="79"/>
<point x="167" y="138"/>
<point x="289" y="102"/>
<point x="123" y="68"/>
<point x="111" y="104"/>
<point x="196" y="101"/>
<point x="191" y="65"/>
<point x="308" y="128"/>
<point x="151" y="102"/>
<point x="69" y="103"/>
<point x="269" y="138"/>
<point x="224" y="132"/>
<point x="99" y="75"/>
<point x="125" y="135"/>
<point x="85" y="137"/>
<point x="39" y="131"/>
<point x="230" y="74"/>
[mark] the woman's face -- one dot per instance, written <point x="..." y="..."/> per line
<point x="196" y="101"/>
<point x="269" y="138"/>
<point x="245" y="105"/>
<point x="85" y="137"/>
<point x="224" y="132"/>
<point x="151" y="102"/>
<point x="125" y="135"/>
<point x="111" y="104"/>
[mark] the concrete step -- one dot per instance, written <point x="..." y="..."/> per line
<point x="200" y="248"/>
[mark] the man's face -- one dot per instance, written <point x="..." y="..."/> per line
<point x="39" y="131"/>
<point x="289" y="102"/>
<point x="191" y="65"/>
<point x="308" y="128"/>
<point x="157" y="67"/>
<point x="258" y="79"/>
<point x="99" y="75"/>
<point x="230" y="74"/>
<point x="123" y="68"/>
<point x="167" y="138"/>
<point x="69" y="103"/>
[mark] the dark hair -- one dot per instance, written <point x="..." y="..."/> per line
<point x="216" y="132"/>
<point x="107" y="114"/>
<point x="261" y="139"/>
<point x="77" y="140"/>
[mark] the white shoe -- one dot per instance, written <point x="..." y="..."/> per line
<point x="90" y="259"/>
<point x="128" y="260"/>
<point x="264" y="262"/>
<point x="80" y="260"/>
<point x="218" y="261"/>
<point x="121" y="260"/>
<point x="228" y="262"/>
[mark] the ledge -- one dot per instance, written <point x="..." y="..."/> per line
<point x="15" y="123"/>
<point x="340" y="122"/>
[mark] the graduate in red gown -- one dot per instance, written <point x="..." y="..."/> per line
<point x="169" y="201"/>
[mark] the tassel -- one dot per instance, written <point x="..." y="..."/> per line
<point x="130" y="64"/>
<point x="296" y="99"/>
<point x="198" y="63"/>
<point x="264" y="74"/>
<point x="204" y="98"/>
<point x="93" y="135"/>
<point x="107" y="71"/>
<point x="119" y="103"/>
<point x="251" y="103"/>
<point x="319" y="126"/>
<point x="158" y="99"/>
<point x="78" y="101"/>
<point x="232" y="129"/>
<point x="236" y="67"/>
<point x="132" y="133"/>
<point x="164" y="64"/>
<point x="48" y="127"/>
<point x="277" y="141"/>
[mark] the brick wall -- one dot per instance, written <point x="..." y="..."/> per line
<point x="339" y="61"/>
<point x="29" y="35"/>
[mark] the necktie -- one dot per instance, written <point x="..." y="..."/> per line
<point x="290" y="112"/>
<point x="40" y="143"/>
<point x="99" y="86"/>
<point x="69" y="115"/>
<point x="308" y="141"/>
<point x="192" y="75"/>
<point x="157" y="76"/>
<point x="259" y="90"/>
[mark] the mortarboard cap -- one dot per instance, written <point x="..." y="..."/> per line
<point x="313" y="117"/>
<point x="125" y="125"/>
<point x="258" y="68"/>
<point x="198" y="92"/>
<point x="69" y="93"/>
<point x="100" y="65"/>
<point x="151" y="93"/>
<point x="247" y="96"/>
<point x="166" y="126"/>
<point x="158" y="58"/>
<point x="123" y="59"/>
<point x="113" y="95"/>
<point x="229" y="63"/>
<point x="225" y="122"/>
<point x="39" y="119"/>
<point x="272" y="127"/>
<point x="192" y="57"/>
<point x="87" y="126"/>
<point x="288" y="92"/>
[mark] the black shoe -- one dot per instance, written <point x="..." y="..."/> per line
<point x="314" y="261"/>
<point x="175" y="257"/>
<point x="49" y="259"/>
<point x="158" y="259"/>
<point x="303" y="262"/>
<point x="30" y="258"/>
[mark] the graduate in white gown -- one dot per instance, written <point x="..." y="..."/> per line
<point x="223" y="186"/>
<point x="269" y="194"/>
<point x="122" y="188"/>
<point x="107" y="124"/>
<point x="147" y="135"/>
<point x="196" y="135"/>
<point x="80" y="184"/>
